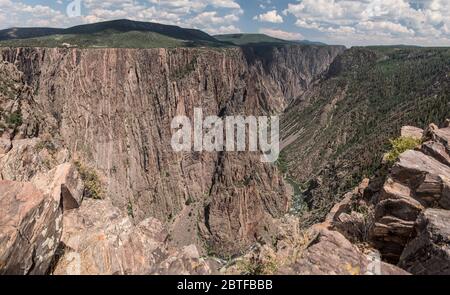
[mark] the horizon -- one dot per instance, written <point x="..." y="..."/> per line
<point x="242" y="33"/>
<point x="423" y="23"/>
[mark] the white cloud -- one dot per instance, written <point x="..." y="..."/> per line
<point x="224" y="30"/>
<point x="392" y="21"/>
<point x="209" y="15"/>
<point x="270" y="16"/>
<point x="281" y="34"/>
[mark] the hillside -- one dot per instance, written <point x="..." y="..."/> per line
<point x="254" y="39"/>
<point x="118" y="33"/>
<point x="105" y="39"/>
<point x="133" y="34"/>
<point x="246" y="39"/>
<point x="337" y="132"/>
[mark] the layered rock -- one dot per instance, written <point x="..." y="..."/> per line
<point x="404" y="215"/>
<point x="112" y="108"/>
<point x="31" y="213"/>
<point x="321" y="250"/>
<point x="419" y="180"/>
<point x="98" y="239"/>
<point x="30" y="228"/>
<point x="330" y="253"/>
<point x="428" y="253"/>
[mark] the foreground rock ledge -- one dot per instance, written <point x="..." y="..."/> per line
<point x="30" y="228"/>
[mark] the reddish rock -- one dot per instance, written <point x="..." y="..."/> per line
<point x="63" y="181"/>
<point x="428" y="253"/>
<point x="330" y="253"/>
<point x="411" y="131"/>
<point x="30" y="228"/>
<point x="436" y="150"/>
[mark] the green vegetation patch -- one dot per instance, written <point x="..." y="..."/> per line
<point x="14" y="119"/>
<point x="92" y="184"/>
<point x="256" y="266"/>
<point x="401" y="145"/>
<point x="105" y="39"/>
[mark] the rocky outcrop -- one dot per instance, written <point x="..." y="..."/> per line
<point x="30" y="228"/>
<point x="31" y="218"/>
<point x="419" y="180"/>
<point x="428" y="253"/>
<point x="47" y="227"/>
<point x="330" y="253"/>
<point x="98" y="239"/>
<point x="404" y="215"/>
<point x="412" y="132"/>
<point x="320" y="250"/>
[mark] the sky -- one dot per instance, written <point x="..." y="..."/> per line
<point x="346" y="22"/>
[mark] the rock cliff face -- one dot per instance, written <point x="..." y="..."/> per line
<point x="111" y="109"/>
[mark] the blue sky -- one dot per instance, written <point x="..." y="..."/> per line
<point x="348" y="22"/>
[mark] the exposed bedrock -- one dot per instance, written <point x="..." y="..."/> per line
<point x="112" y="110"/>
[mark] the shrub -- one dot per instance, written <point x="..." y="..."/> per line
<point x="130" y="209"/>
<point x="401" y="145"/>
<point x="257" y="266"/>
<point x="92" y="185"/>
<point x="14" y="119"/>
<point x="282" y="164"/>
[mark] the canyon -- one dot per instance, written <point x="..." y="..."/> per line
<point x="89" y="182"/>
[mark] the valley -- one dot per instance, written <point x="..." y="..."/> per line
<point x="87" y="169"/>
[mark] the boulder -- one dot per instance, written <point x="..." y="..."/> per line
<point x="424" y="175"/>
<point x="442" y="135"/>
<point x="394" y="219"/>
<point x="341" y="207"/>
<point x="411" y="131"/>
<point x="63" y="182"/>
<point x="429" y="252"/>
<point x="330" y="253"/>
<point x="436" y="150"/>
<point x="30" y="228"/>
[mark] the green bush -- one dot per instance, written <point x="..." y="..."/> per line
<point x="257" y="266"/>
<point x="14" y="119"/>
<point x="282" y="163"/>
<point x="92" y="185"/>
<point x="401" y="145"/>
